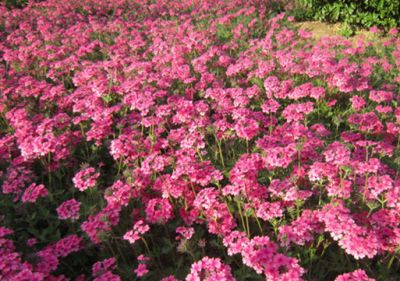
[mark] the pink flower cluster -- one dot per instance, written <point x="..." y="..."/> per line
<point x="142" y="270"/>
<point x="85" y="178"/>
<point x="139" y="228"/>
<point x="261" y="255"/>
<point x="357" y="275"/>
<point x="209" y="269"/>
<point x="12" y="267"/>
<point x="102" y="270"/>
<point x="33" y="192"/>
<point x="69" y="210"/>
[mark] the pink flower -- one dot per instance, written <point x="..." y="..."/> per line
<point x="357" y="275"/>
<point x="384" y="109"/>
<point x="219" y="219"/>
<point x="101" y="267"/>
<point x="33" y="192"/>
<point x="270" y="106"/>
<point x="185" y="232"/>
<point x="376" y="185"/>
<point x="331" y="103"/>
<point x="280" y="156"/>
<point x="367" y="122"/>
<point x="267" y="210"/>
<point x="141" y="270"/>
<point x="393" y="31"/>
<point x="357" y="102"/>
<point x="69" y="210"/>
<point x="337" y="154"/>
<point x="31" y="242"/>
<point x="101" y="223"/>
<point x="131" y="236"/>
<point x="165" y="100"/>
<point x="206" y="198"/>
<point x="284" y="268"/>
<point x="300" y="91"/>
<point x="296" y="112"/>
<point x="235" y="241"/>
<point x="301" y="230"/>
<point x="380" y="96"/>
<point x="139" y="228"/>
<point x="67" y="245"/>
<point x="119" y="193"/>
<point x="48" y="261"/>
<point x="374" y="29"/>
<point x="246" y="128"/>
<point x="272" y="86"/>
<point x="360" y="243"/>
<point x="85" y="179"/>
<point x="209" y="269"/>
<point x="159" y="211"/>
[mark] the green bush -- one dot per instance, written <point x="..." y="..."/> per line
<point x="10" y="4"/>
<point x="361" y="13"/>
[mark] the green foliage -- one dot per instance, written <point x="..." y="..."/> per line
<point x="364" y="13"/>
<point x="347" y="30"/>
<point x="10" y="4"/>
<point x="223" y="33"/>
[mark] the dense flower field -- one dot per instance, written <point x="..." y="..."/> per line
<point x="194" y="140"/>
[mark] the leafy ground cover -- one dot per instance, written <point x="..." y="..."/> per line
<point x="194" y="140"/>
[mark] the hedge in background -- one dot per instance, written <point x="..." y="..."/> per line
<point x="364" y="13"/>
<point x="10" y="4"/>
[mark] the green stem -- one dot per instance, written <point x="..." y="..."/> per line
<point x="241" y="215"/>
<point x="220" y="151"/>
<point x="258" y="223"/>
<point x="247" y="225"/>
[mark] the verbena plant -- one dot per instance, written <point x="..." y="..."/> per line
<point x="194" y="140"/>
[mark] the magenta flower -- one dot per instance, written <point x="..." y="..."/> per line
<point x="185" y="232"/>
<point x="69" y="210"/>
<point x="357" y="275"/>
<point x="159" y="211"/>
<point x="141" y="270"/>
<point x="67" y="245"/>
<point x="33" y="192"/>
<point x="85" y="179"/>
<point x="139" y="228"/>
<point x="209" y="269"/>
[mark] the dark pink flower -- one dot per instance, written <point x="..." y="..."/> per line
<point x="69" y="210"/>
<point x="33" y="192"/>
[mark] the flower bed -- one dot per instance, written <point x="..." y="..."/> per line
<point x="194" y="140"/>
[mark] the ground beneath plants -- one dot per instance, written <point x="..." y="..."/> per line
<point x="322" y="29"/>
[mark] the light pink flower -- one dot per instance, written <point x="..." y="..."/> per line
<point x="85" y="179"/>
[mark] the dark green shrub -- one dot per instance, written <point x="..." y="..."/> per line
<point x="361" y="13"/>
<point x="10" y="4"/>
